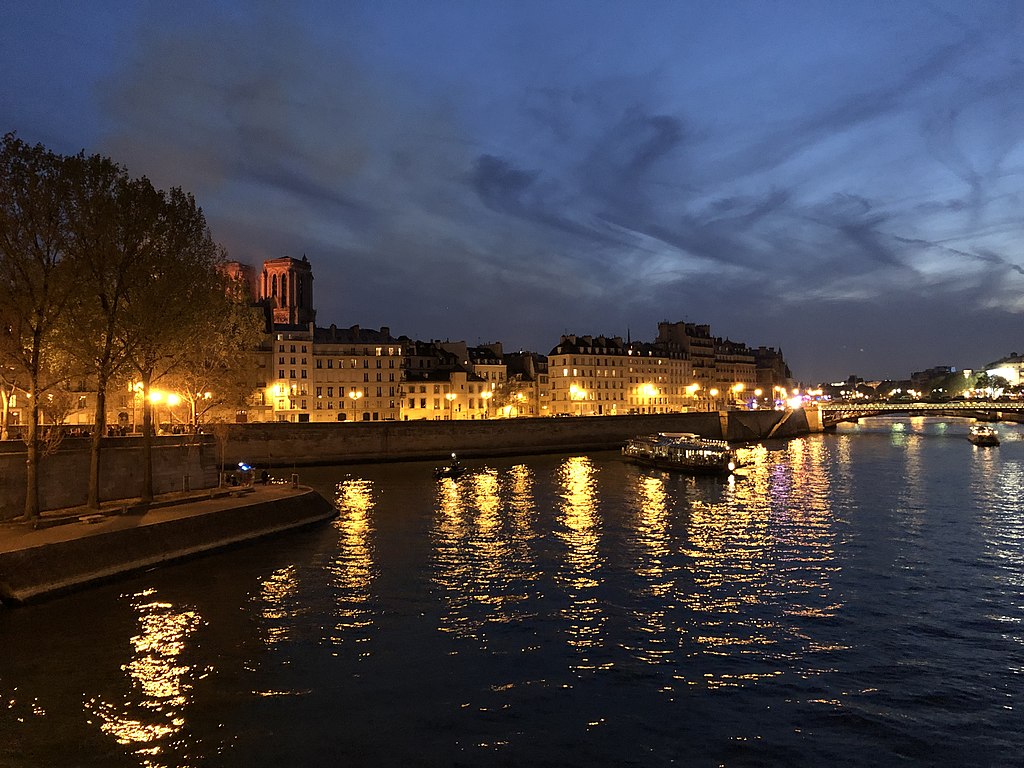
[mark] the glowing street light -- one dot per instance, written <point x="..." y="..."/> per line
<point x="577" y="394"/>
<point x="450" y="397"/>
<point x="486" y="395"/>
<point x="355" y="394"/>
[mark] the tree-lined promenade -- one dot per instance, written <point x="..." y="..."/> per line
<point x="107" y="280"/>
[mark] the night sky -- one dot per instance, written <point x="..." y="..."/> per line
<point x="839" y="179"/>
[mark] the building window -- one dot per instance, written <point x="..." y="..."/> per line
<point x="366" y="377"/>
<point x="280" y="374"/>
<point x="330" y="391"/>
<point x="330" y="362"/>
<point x="319" y="363"/>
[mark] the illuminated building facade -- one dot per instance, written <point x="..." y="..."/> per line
<point x="604" y="376"/>
<point x="527" y="390"/>
<point x="332" y="374"/>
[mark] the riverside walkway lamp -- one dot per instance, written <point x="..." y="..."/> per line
<point x="450" y="397"/>
<point x="355" y="394"/>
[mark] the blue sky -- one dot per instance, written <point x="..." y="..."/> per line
<point x="842" y="180"/>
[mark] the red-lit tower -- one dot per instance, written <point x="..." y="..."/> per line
<point x="286" y="285"/>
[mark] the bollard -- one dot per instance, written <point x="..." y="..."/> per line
<point x="295" y="479"/>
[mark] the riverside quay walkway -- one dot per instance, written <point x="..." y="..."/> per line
<point x="986" y="410"/>
<point x="70" y="548"/>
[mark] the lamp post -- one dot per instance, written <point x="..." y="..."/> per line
<point x="450" y="397"/>
<point x="577" y="394"/>
<point x="691" y="391"/>
<point x="737" y="391"/>
<point x="713" y="394"/>
<point x="355" y="394"/>
<point x="486" y="395"/>
<point x="648" y="391"/>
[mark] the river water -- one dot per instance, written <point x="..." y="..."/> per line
<point x="856" y="599"/>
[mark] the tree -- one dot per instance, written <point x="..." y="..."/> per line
<point x="218" y="372"/>
<point x="168" y="303"/>
<point x="35" y="282"/>
<point x="113" y="230"/>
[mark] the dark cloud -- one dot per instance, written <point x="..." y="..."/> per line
<point x="505" y="206"/>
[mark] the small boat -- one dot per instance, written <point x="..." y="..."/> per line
<point x="983" y="435"/>
<point x="452" y="469"/>
<point x="683" y="451"/>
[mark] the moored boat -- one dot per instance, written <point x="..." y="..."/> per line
<point x="682" y="451"/>
<point x="452" y="469"/>
<point x="983" y="435"/>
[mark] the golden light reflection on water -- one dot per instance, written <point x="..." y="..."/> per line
<point x="579" y="529"/>
<point x="760" y="557"/>
<point x="351" y="574"/>
<point x="653" y="519"/>
<point x="482" y="558"/>
<point x="153" y="714"/>
<point x="276" y="610"/>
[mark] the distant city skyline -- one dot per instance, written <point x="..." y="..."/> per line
<point x="839" y="181"/>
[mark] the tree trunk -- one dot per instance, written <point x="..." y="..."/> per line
<point x="5" y="413"/>
<point x="32" y="457"/>
<point x="147" y="440"/>
<point x="96" y="443"/>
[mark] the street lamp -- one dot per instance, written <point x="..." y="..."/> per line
<point x="450" y="397"/>
<point x="486" y="395"/>
<point x="355" y="394"/>
<point x="648" y="391"/>
<point x="713" y="394"/>
<point x="577" y="394"/>
<point x="737" y="390"/>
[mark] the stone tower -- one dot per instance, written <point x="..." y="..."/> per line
<point x="286" y="285"/>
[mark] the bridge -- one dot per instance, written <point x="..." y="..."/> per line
<point x="987" y="410"/>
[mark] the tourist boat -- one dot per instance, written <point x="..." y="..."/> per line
<point x="683" y="451"/>
<point x="984" y="435"/>
<point x="452" y="469"/>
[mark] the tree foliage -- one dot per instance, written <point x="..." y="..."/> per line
<point x="106" y="278"/>
<point x="36" y="283"/>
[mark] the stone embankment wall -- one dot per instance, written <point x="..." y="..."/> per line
<point x="178" y="460"/>
<point x="63" y="476"/>
<point x="52" y="568"/>
<point x="284" y="444"/>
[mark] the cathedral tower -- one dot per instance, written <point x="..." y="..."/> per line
<point x="286" y="284"/>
